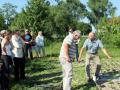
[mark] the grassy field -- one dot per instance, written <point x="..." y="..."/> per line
<point x="45" y="73"/>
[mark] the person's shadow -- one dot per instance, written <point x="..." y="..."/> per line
<point x="105" y="77"/>
<point x="86" y="86"/>
<point x="109" y="76"/>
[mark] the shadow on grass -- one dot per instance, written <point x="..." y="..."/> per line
<point x="86" y="86"/>
<point x="52" y="55"/>
<point x="42" y="73"/>
<point x="105" y="77"/>
<point x="52" y="79"/>
<point x="46" y="76"/>
<point x="40" y="65"/>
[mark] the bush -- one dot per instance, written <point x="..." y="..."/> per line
<point x="110" y="39"/>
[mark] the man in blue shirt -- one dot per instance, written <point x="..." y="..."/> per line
<point x="28" y="39"/>
<point x="92" y="45"/>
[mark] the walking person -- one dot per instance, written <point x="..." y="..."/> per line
<point x="28" y="48"/>
<point x="19" y="59"/>
<point x="92" y="45"/>
<point x="67" y="53"/>
<point x="40" y="44"/>
<point x="6" y="48"/>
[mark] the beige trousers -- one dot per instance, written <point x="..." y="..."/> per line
<point x="90" y="58"/>
<point x="67" y="73"/>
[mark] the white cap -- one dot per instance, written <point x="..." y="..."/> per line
<point x="3" y="31"/>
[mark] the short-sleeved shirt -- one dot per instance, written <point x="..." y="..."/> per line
<point x="69" y="40"/>
<point x="92" y="46"/>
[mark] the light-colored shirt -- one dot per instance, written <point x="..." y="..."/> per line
<point x="72" y="50"/>
<point x="17" y="46"/>
<point x="39" y="40"/>
<point x="8" y="48"/>
<point x="92" y="46"/>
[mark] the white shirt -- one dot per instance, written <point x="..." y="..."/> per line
<point x="40" y="40"/>
<point x="8" y="48"/>
<point x="17" y="46"/>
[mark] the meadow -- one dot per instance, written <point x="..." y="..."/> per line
<point x="45" y="73"/>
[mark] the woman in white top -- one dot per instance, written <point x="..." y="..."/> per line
<point x="19" y="60"/>
<point x="6" y="57"/>
<point x="40" y="44"/>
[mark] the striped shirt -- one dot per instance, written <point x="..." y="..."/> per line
<point x="72" y="50"/>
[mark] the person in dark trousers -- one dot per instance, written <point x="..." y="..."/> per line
<point x="19" y="60"/>
<point x="6" y="58"/>
<point x="28" y="48"/>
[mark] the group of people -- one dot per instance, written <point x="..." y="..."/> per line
<point x="15" y="47"/>
<point x="68" y="51"/>
<point x="14" y="50"/>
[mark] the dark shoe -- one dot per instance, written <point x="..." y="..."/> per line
<point x="98" y="77"/>
<point x="16" y="79"/>
<point x="23" y="78"/>
<point x="89" y="80"/>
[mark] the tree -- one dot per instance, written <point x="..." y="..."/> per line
<point x="67" y="13"/>
<point x="9" y="11"/>
<point x="1" y="22"/>
<point x="53" y="20"/>
<point x="100" y="9"/>
<point x="37" y="12"/>
<point x="84" y="28"/>
<point x="20" y="21"/>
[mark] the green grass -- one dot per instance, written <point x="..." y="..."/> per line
<point x="45" y="73"/>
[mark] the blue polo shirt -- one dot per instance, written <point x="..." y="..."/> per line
<point x="92" y="46"/>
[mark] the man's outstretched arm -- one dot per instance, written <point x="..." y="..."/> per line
<point x="106" y="53"/>
<point x="80" y="55"/>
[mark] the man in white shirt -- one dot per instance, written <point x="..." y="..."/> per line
<point x="19" y="60"/>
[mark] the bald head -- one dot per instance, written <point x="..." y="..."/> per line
<point x="91" y="36"/>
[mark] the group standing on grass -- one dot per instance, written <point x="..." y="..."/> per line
<point x="14" y="52"/>
<point x="68" y="51"/>
<point x="15" y="48"/>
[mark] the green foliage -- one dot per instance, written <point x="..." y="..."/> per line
<point x="20" y="21"/>
<point x="53" y="20"/>
<point x="100" y="9"/>
<point x="1" y="22"/>
<point x="84" y="28"/>
<point x="9" y="11"/>
<point x="110" y="38"/>
<point x="109" y="31"/>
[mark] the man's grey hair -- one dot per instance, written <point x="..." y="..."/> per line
<point x="78" y="32"/>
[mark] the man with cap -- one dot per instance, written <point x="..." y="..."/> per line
<point x="92" y="45"/>
<point x="67" y="53"/>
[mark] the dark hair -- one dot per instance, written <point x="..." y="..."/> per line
<point x="72" y="28"/>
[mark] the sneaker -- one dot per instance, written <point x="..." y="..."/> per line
<point x="94" y="78"/>
<point x="89" y="80"/>
<point x="98" y="77"/>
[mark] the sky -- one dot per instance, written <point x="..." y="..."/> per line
<point x="22" y="3"/>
